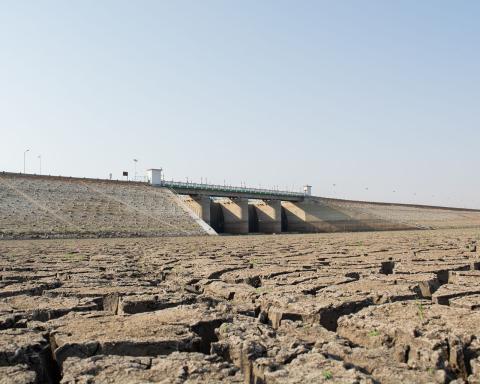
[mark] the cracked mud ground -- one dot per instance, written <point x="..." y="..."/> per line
<point x="399" y="307"/>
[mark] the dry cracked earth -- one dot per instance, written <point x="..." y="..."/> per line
<point x="392" y="307"/>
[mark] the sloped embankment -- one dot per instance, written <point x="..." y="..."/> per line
<point x="319" y="214"/>
<point x="46" y="207"/>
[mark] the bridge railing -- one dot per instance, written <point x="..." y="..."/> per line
<point x="224" y="188"/>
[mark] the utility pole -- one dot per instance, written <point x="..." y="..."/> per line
<point x="24" y="159"/>
<point x="40" y="163"/>
<point x="135" y="173"/>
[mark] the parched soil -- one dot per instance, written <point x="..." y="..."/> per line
<point x="390" y="307"/>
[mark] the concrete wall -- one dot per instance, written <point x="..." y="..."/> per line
<point x="269" y="214"/>
<point x="314" y="216"/>
<point x="331" y="215"/>
<point x="200" y="205"/>
<point x="317" y="214"/>
<point x="235" y="215"/>
<point x="229" y="216"/>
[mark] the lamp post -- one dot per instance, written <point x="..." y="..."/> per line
<point x="135" y="161"/>
<point x="24" y="159"/>
<point x="40" y="163"/>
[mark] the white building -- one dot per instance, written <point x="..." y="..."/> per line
<point x="307" y="190"/>
<point x="154" y="176"/>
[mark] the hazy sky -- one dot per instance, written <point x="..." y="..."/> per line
<point x="383" y="95"/>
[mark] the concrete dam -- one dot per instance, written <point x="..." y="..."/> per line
<point x="33" y="206"/>
<point x="241" y="210"/>
<point x="317" y="214"/>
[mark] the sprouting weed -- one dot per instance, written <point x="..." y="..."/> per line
<point x="373" y="333"/>
<point x="74" y="257"/>
<point x="420" y="310"/>
<point x="224" y="328"/>
<point x="327" y="375"/>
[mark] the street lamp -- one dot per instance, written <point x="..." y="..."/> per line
<point x="135" y="162"/>
<point x="40" y="163"/>
<point x="24" y="158"/>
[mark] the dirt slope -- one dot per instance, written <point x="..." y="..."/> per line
<point x="35" y="206"/>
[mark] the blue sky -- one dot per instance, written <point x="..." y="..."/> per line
<point x="381" y="95"/>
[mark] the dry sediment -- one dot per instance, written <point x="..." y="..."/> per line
<point x="390" y="308"/>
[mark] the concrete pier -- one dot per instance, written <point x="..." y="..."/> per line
<point x="269" y="213"/>
<point x="235" y="214"/>
<point x="200" y="204"/>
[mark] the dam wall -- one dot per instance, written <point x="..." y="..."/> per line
<point x="318" y="214"/>
<point x="56" y="207"/>
<point x="60" y="207"/>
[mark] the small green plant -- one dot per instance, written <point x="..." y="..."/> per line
<point x="327" y="375"/>
<point x="373" y="333"/>
<point x="263" y="290"/>
<point x="224" y="328"/>
<point x="431" y="370"/>
<point x="73" y="256"/>
<point x="420" y="310"/>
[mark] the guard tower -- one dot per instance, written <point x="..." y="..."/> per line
<point x="154" y="176"/>
<point x="307" y="190"/>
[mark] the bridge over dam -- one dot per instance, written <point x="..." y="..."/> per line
<point x="33" y="206"/>
<point x="237" y="210"/>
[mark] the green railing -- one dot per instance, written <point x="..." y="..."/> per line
<point x="229" y="189"/>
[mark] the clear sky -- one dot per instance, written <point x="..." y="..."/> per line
<point x="343" y="95"/>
